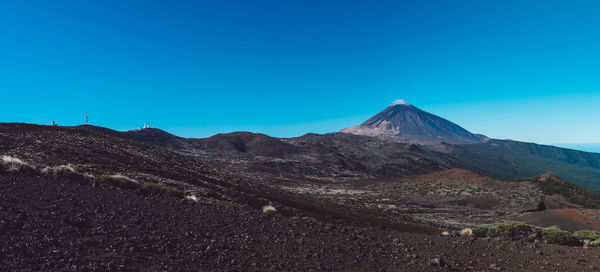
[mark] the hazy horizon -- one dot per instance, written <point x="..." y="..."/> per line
<point x="589" y="147"/>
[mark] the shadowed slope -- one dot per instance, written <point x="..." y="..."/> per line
<point x="407" y="123"/>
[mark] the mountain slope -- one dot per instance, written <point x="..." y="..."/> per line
<point x="510" y="160"/>
<point x="402" y="122"/>
<point x="247" y="142"/>
<point x="344" y="155"/>
<point x="334" y="155"/>
<point x="151" y="136"/>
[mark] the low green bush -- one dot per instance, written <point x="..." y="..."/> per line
<point x="552" y="235"/>
<point x="511" y="230"/>
<point x="144" y="186"/>
<point x="508" y="230"/>
<point x="555" y="235"/>
<point x="480" y="231"/>
<point x="157" y="188"/>
<point x="119" y="181"/>
<point x="587" y="235"/>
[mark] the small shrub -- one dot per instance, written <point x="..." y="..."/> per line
<point x="157" y="188"/>
<point x="67" y="172"/>
<point x="593" y="243"/>
<point x="466" y="232"/>
<point x="516" y="230"/>
<point x="144" y="186"/>
<point x="119" y="181"/>
<point x="269" y="209"/>
<point x="587" y="235"/>
<point x="480" y="231"/>
<point x="192" y="198"/>
<point x="554" y="235"/>
<point x="508" y="230"/>
<point x="55" y="170"/>
<point x="13" y="164"/>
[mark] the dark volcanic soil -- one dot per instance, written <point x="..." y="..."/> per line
<point x="59" y="225"/>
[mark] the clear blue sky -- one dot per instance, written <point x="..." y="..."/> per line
<point x="525" y="70"/>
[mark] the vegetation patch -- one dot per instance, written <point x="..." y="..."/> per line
<point x="552" y="235"/>
<point x="508" y="230"/>
<point x="119" y="181"/>
<point x="222" y="203"/>
<point x="12" y="164"/>
<point x="587" y="235"/>
<point x="573" y="193"/>
<point x="145" y="187"/>
<point x="157" y="188"/>
<point x="555" y="235"/>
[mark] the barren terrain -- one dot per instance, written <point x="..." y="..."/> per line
<point x="76" y="199"/>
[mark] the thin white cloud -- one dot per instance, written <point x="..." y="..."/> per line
<point x="400" y="102"/>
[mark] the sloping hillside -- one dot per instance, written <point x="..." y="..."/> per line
<point x="511" y="160"/>
<point x="356" y="156"/>
<point x="402" y="122"/>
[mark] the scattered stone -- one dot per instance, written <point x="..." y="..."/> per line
<point x="495" y="267"/>
<point x="437" y="262"/>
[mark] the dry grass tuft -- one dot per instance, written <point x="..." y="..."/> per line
<point x="192" y="198"/>
<point x="14" y="164"/>
<point x="58" y="169"/>
<point x="269" y="209"/>
<point x="466" y="232"/>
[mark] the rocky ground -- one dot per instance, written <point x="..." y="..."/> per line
<point x="48" y="224"/>
<point x="454" y="198"/>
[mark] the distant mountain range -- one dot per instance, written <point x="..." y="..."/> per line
<point x="401" y="140"/>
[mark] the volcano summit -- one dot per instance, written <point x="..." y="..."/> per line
<point x="403" y="122"/>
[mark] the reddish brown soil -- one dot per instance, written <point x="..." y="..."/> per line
<point x="567" y="219"/>
<point x="60" y="225"/>
<point x="548" y="176"/>
<point x="454" y="174"/>
<point x="555" y="201"/>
